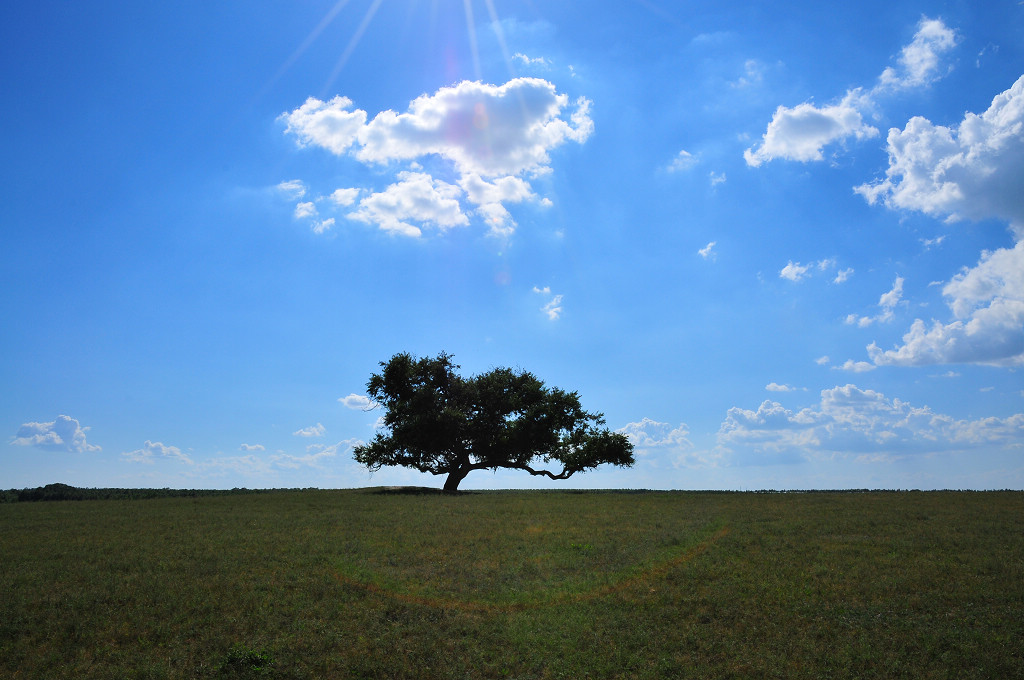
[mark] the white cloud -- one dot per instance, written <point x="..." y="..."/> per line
<point x="684" y="160"/>
<point x="553" y="308"/>
<point x="327" y="124"/>
<point x="707" y="251"/>
<point x="311" y="431"/>
<point x="776" y="387"/>
<point x="489" y="130"/>
<point x="650" y="434"/>
<point x="531" y="61"/>
<point x="490" y="198"/>
<point x="321" y="226"/>
<point x="357" y="402"/>
<point x="252" y="447"/>
<point x="801" y="133"/>
<point x="496" y="137"/>
<point x="151" y="451"/>
<point x="292" y="189"/>
<point x="794" y="271"/>
<point x="344" y="197"/>
<point x="843" y="275"/>
<point x="887" y="303"/>
<point x="919" y="63"/>
<point x="416" y="197"/>
<point x="849" y="420"/>
<point x="316" y="455"/>
<point x="971" y="172"/>
<point x="61" y="434"/>
<point x="716" y="178"/>
<point x="855" y="366"/>
<point x="304" y="210"/>
<point x="822" y="361"/>
<point x="988" y="303"/>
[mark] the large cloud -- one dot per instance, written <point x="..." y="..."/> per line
<point x="62" y="434"/>
<point x="849" y="420"/>
<point x="988" y="303"/>
<point x="973" y="171"/>
<point x="494" y="137"/>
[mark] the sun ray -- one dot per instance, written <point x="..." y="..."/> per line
<point x="356" y="37"/>
<point x="471" y="30"/>
<point x="310" y="39"/>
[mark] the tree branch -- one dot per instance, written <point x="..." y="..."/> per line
<point x="564" y="474"/>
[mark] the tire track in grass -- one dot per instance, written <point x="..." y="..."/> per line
<point x="657" y="571"/>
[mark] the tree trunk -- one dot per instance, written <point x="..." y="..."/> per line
<point x="451" y="485"/>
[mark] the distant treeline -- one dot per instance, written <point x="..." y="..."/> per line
<point x="64" y="492"/>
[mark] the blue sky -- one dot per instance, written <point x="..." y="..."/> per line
<point x="777" y="244"/>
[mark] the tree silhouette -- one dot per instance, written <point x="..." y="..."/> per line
<point x="439" y="422"/>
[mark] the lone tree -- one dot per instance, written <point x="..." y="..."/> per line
<point x="436" y="421"/>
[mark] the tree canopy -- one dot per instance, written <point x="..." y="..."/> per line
<point x="436" y="421"/>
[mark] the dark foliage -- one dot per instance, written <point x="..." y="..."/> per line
<point x="436" y="421"/>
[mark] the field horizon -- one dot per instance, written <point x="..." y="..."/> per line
<point x="411" y="582"/>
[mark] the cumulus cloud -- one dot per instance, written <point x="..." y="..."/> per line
<point x="357" y="402"/>
<point x="304" y="210"/>
<point x="344" y="197"/>
<point x="152" y="451"/>
<point x="776" y="387"/>
<point x="650" y="434"/>
<point x="495" y="138"/>
<point x="887" y="303"/>
<point x="802" y="132"/>
<point x="311" y="431"/>
<point x="988" y="303"/>
<point x="416" y="197"/>
<point x="330" y="125"/>
<point x="972" y="171"/>
<point x="61" y="434"/>
<point x="920" y="61"/>
<point x="849" y="420"/>
<point x="794" y="271"/>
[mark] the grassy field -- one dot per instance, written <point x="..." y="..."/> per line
<point x="384" y="584"/>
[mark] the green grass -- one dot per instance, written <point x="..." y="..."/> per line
<point x="366" y="584"/>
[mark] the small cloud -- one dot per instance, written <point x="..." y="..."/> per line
<point x="794" y="271"/>
<point x="843" y="275"/>
<point x="303" y="210"/>
<point x="322" y="226"/>
<point x="252" y="447"/>
<point x="684" y="160"/>
<point x="929" y="243"/>
<point x="62" y="434"/>
<point x="707" y="253"/>
<point x="855" y="366"/>
<point x="553" y="308"/>
<point x="344" y="197"/>
<point x="531" y="61"/>
<point x="293" y="189"/>
<point x="311" y="431"/>
<point x="776" y="387"/>
<point x="822" y="361"/>
<point x="887" y="302"/>
<point x="151" y="451"/>
<point x="716" y="178"/>
<point x="358" y="402"/>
